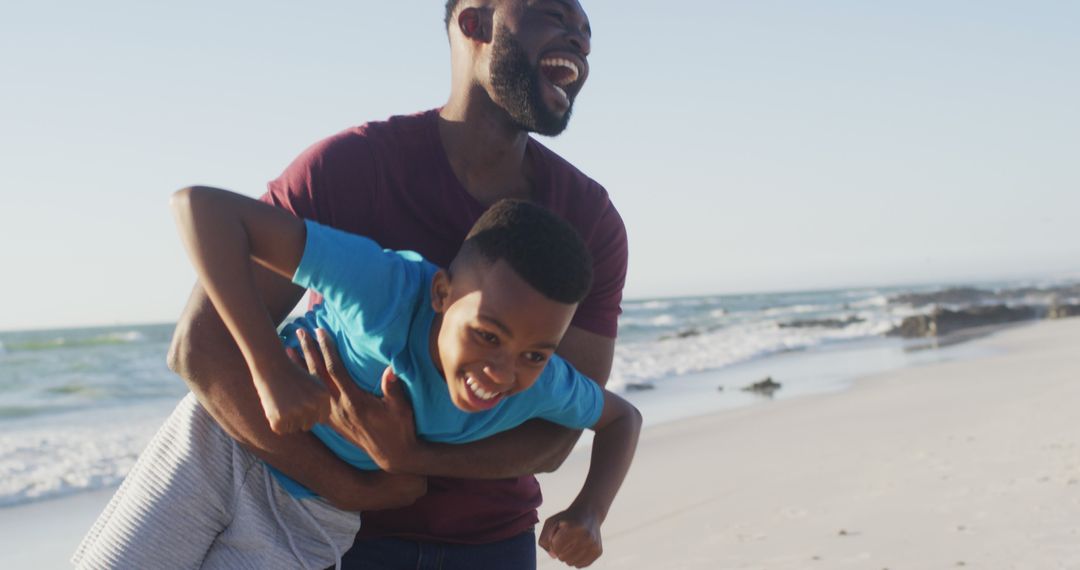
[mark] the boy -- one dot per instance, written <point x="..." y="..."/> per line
<point x="466" y="343"/>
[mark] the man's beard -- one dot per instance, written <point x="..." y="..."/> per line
<point x="516" y="83"/>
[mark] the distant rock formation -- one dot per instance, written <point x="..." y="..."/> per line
<point x="953" y="296"/>
<point x="639" y="386"/>
<point x="687" y="333"/>
<point x="765" y="387"/>
<point x="822" y="323"/>
<point x="966" y="296"/>
<point x="1063" y="311"/>
<point x="941" y="321"/>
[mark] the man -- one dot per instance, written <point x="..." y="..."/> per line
<point x="418" y="182"/>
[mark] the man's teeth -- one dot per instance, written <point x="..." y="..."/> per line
<point x="561" y="62"/>
<point x="480" y="392"/>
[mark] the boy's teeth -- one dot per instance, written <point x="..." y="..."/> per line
<point x="476" y="389"/>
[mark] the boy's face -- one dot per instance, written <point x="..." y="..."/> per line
<point x="496" y="333"/>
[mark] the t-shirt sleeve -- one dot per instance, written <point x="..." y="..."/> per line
<point x="569" y="397"/>
<point x="599" y="311"/>
<point x="365" y="284"/>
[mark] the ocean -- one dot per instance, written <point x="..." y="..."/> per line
<point x="78" y="405"/>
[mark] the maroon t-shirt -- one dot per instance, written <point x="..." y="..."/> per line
<point x="391" y="181"/>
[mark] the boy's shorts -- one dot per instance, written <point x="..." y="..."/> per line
<point x="196" y="499"/>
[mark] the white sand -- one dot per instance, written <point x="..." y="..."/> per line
<point x="973" y="463"/>
<point x="962" y="464"/>
<point x="44" y="534"/>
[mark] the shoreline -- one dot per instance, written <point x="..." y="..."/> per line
<point x="671" y="470"/>
<point x="970" y="462"/>
<point x="828" y="367"/>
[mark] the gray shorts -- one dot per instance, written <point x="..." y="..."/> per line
<point x="196" y="499"/>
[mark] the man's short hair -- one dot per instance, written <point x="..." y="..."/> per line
<point x="451" y="5"/>
<point x="539" y="246"/>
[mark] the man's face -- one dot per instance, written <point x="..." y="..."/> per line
<point x="496" y="335"/>
<point x="538" y="62"/>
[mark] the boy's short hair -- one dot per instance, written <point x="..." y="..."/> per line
<point x="539" y="246"/>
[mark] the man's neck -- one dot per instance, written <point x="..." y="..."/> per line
<point x="485" y="150"/>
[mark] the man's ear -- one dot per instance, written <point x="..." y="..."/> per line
<point x="475" y="24"/>
<point x="440" y="291"/>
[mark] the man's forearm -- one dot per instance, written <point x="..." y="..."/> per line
<point x="533" y="447"/>
<point x="205" y="356"/>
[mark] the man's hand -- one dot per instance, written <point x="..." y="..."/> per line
<point x="572" y="536"/>
<point x="292" y="399"/>
<point x="383" y="427"/>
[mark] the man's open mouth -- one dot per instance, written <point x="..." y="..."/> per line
<point x="560" y="72"/>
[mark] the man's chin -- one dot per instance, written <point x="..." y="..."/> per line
<point x="538" y="116"/>
<point x="553" y="123"/>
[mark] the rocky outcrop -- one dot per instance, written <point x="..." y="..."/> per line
<point x="686" y="333"/>
<point x="1063" y="311"/>
<point x="941" y="321"/>
<point x="968" y="296"/>
<point x="639" y="386"/>
<point x="953" y="296"/>
<point x="765" y="387"/>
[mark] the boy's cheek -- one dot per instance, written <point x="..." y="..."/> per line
<point x="527" y="383"/>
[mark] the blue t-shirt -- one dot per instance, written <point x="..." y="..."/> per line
<point x="377" y="307"/>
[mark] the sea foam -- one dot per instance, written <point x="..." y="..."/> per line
<point x="40" y="461"/>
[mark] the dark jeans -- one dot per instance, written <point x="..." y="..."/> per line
<point x="516" y="553"/>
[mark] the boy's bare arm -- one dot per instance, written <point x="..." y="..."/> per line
<point x="384" y="426"/>
<point x="573" y="535"/>
<point x="222" y="232"/>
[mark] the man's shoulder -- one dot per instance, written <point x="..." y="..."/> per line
<point x="576" y="196"/>
<point x="335" y="179"/>
<point x="393" y="131"/>
<point x="564" y="174"/>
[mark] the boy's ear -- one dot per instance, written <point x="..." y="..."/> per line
<point x="440" y="291"/>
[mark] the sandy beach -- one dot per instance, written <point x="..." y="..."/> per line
<point x="969" y="463"/>
<point x="960" y="464"/>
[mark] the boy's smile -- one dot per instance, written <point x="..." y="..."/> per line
<point x="493" y="333"/>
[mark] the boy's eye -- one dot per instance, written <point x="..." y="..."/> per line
<point x="536" y="357"/>
<point x="486" y="336"/>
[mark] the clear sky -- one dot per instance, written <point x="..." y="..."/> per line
<point x="750" y="145"/>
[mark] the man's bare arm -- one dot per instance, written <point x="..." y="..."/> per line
<point x="589" y="352"/>
<point x="204" y="354"/>
<point x="384" y="427"/>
